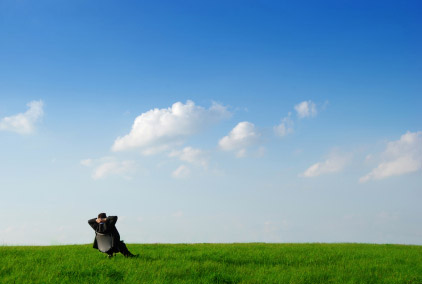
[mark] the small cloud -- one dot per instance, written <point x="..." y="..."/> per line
<point x="178" y="214"/>
<point x="191" y="155"/>
<point x="333" y="164"/>
<point x="285" y="127"/>
<point x="261" y="152"/>
<point x="298" y="151"/>
<point x="325" y="105"/>
<point x="306" y="109"/>
<point x="110" y="166"/>
<point x="241" y="153"/>
<point x="400" y="157"/>
<point x="150" y="151"/>
<point x="242" y="136"/>
<point x="123" y="169"/>
<point x="181" y="172"/>
<point x="369" y="159"/>
<point x="87" y="162"/>
<point x="23" y="123"/>
<point x="156" y="129"/>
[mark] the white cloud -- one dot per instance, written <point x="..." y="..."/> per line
<point x="285" y="127"/>
<point x="181" y="172"/>
<point x="306" y="109"/>
<point x="87" y="162"/>
<point x="178" y="214"/>
<point x="156" y="129"/>
<point x="153" y="150"/>
<point x="110" y="166"/>
<point x="191" y="155"/>
<point x="400" y="157"/>
<point x="241" y="153"/>
<point x="23" y="123"/>
<point x="113" y="168"/>
<point x="242" y="136"/>
<point x="333" y="164"/>
<point x="261" y="152"/>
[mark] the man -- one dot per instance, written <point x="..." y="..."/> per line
<point x="107" y="225"/>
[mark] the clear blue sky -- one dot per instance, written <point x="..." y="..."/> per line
<point x="211" y="121"/>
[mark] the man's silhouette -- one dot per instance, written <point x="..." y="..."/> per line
<point x="107" y="225"/>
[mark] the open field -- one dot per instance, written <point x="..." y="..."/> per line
<point x="215" y="263"/>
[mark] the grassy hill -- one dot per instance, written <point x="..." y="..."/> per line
<point x="215" y="263"/>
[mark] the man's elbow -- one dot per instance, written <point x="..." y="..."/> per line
<point x="112" y="219"/>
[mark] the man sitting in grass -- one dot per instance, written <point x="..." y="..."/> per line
<point x="104" y="225"/>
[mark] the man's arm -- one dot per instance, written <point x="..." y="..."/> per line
<point x="112" y="219"/>
<point x="93" y="223"/>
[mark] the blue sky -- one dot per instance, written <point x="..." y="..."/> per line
<point x="211" y="121"/>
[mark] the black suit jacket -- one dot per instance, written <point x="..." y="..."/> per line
<point x="108" y="227"/>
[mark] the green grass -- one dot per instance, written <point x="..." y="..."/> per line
<point x="215" y="263"/>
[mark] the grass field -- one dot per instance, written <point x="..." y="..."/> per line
<point x="215" y="263"/>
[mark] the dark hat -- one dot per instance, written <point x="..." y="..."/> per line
<point x="102" y="215"/>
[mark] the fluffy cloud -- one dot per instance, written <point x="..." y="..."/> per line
<point x="285" y="127"/>
<point x="23" y="123"/>
<point x="242" y="136"/>
<point x="191" y="155"/>
<point x="333" y="164"/>
<point x="109" y="166"/>
<point x="306" y="109"/>
<point x="400" y="157"/>
<point x="87" y="162"/>
<point x="181" y="172"/>
<point x="157" y="129"/>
